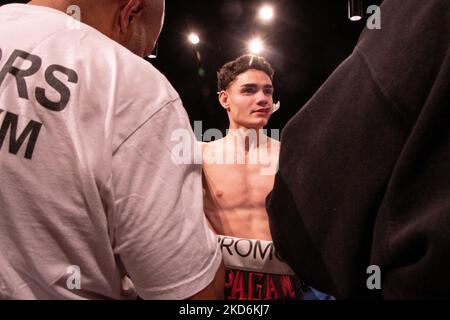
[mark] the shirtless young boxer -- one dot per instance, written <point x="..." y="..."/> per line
<point x="237" y="176"/>
<point x="238" y="173"/>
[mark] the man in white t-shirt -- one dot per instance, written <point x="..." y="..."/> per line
<point x="88" y="191"/>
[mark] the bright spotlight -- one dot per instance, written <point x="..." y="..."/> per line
<point x="194" y="38"/>
<point x="355" y="18"/>
<point x="256" y="46"/>
<point x="354" y="10"/>
<point x="266" y="13"/>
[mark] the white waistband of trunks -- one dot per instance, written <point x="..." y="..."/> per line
<point x="252" y="255"/>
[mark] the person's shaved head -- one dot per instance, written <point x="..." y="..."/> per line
<point x="135" y="24"/>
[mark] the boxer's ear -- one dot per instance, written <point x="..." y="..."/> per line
<point x="224" y="99"/>
<point x="131" y="10"/>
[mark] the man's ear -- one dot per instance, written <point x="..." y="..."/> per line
<point x="224" y="100"/>
<point x="130" y="10"/>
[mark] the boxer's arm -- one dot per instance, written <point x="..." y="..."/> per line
<point x="210" y="205"/>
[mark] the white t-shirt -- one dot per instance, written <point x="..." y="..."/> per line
<point x="88" y="190"/>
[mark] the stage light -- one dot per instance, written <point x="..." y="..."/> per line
<point x="194" y="38"/>
<point x="266" y="13"/>
<point x="354" y="10"/>
<point x="256" y="46"/>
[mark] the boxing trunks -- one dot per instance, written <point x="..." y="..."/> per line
<point x="256" y="272"/>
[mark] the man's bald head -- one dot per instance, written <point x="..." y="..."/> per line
<point x="135" y="24"/>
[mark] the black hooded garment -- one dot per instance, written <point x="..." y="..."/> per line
<point x="364" y="176"/>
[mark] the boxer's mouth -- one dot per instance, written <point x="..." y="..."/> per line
<point x="263" y="110"/>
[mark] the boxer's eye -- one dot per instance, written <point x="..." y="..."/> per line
<point x="268" y="91"/>
<point x="249" y="90"/>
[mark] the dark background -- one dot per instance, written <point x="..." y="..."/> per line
<point x="306" y="41"/>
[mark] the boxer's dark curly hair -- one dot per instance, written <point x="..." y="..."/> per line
<point x="232" y="69"/>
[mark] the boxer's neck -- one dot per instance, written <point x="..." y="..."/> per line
<point x="245" y="139"/>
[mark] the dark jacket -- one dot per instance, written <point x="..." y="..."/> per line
<point x="364" y="173"/>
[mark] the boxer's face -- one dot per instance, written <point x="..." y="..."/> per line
<point x="249" y="100"/>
